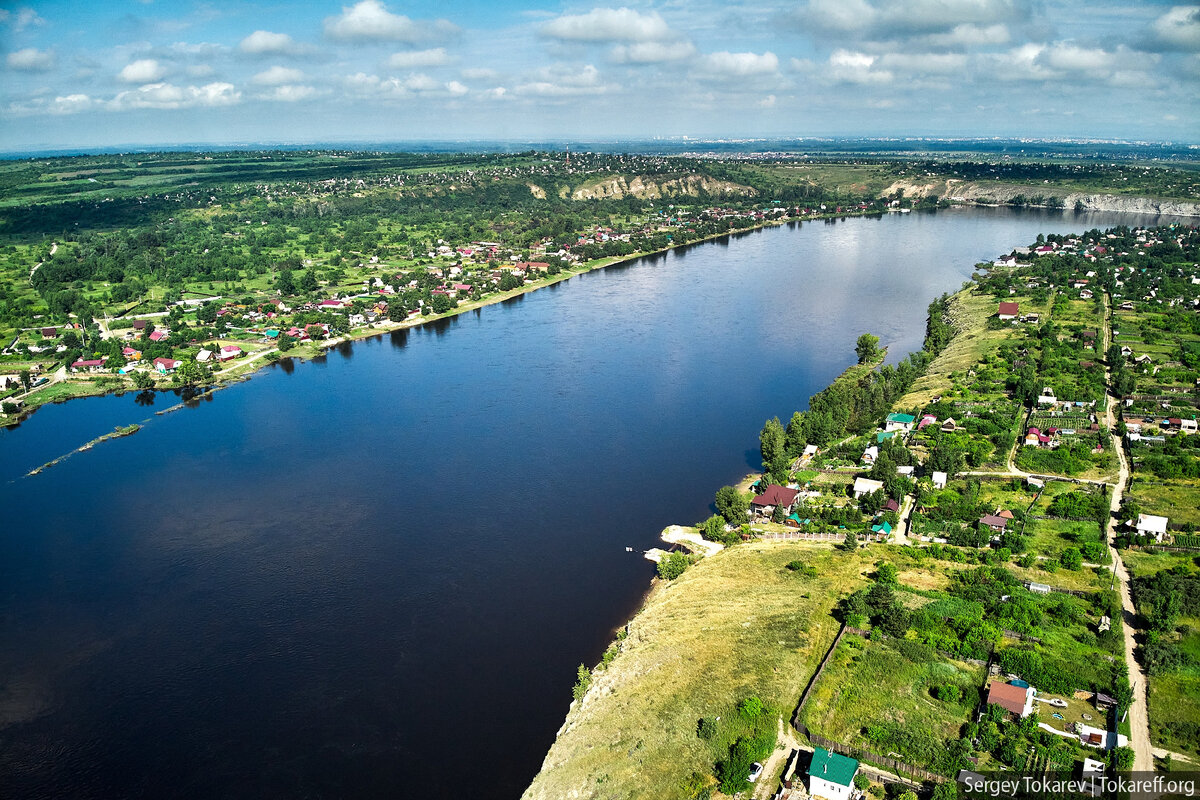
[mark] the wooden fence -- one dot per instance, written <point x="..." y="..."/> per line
<point x="862" y="754"/>
<point x="823" y="537"/>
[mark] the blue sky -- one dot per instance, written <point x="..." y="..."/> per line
<point x="160" y="72"/>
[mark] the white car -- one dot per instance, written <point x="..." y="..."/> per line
<point x="755" y="772"/>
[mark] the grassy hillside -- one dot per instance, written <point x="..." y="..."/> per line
<point x="735" y="625"/>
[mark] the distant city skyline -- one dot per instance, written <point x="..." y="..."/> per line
<point x="162" y="72"/>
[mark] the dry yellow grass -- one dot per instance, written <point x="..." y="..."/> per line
<point x="734" y="625"/>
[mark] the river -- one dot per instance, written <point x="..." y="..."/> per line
<point x="374" y="574"/>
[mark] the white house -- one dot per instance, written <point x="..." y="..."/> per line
<point x="870" y="454"/>
<point x="1151" y="525"/>
<point x="831" y="775"/>
<point x="939" y="480"/>
<point x="864" y="486"/>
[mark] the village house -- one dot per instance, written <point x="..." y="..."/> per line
<point x="1015" y="698"/>
<point x="831" y="775"/>
<point x="90" y="365"/>
<point x="1047" y="398"/>
<point x="159" y="335"/>
<point x="949" y="426"/>
<point x="773" y="496"/>
<point x="939" y="480"/>
<point x="165" y="365"/>
<point x="204" y="356"/>
<point x="899" y="422"/>
<point x="994" y="523"/>
<point x="230" y="352"/>
<point x="865" y="486"/>
<point x="1152" y="525"/>
<point x="870" y="455"/>
<point x="1009" y="311"/>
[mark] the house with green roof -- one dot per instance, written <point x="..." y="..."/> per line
<point x="830" y="775"/>
<point x="899" y="422"/>
<point x="884" y="527"/>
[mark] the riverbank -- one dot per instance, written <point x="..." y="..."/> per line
<point x="66" y="387"/>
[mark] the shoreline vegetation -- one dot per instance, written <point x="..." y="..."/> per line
<point x="986" y="564"/>
<point x="239" y="371"/>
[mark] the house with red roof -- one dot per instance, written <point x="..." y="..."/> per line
<point x="91" y="365"/>
<point x="1015" y="699"/>
<point x="158" y="336"/>
<point x="230" y="352"/>
<point x="165" y="365"/>
<point x="773" y="496"/>
<point x="1009" y="311"/>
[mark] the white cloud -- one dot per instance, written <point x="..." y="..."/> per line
<point x="144" y="70"/>
<point x="21" y="19"/>
<point x="894" y="20"/>
<point x="268" y="43"/>
<point x="726" y="64"/>
<point x="71" y="104"/>
<point x="169" y="96"/>
<point x="457" y="89"/>
<point x="292" y="93"/>
<point x="369" y="20"/>
<point x="652" y="52"/>
<point x="31" y="60"/>
<point x="278" y="76"/>
<point x="563" y="81"/>
<point x="609" y="25"/>
<point x="1178" y="29"/>
<point x="846" y="66"/>
<point x="924" y="63"/>
<point x="767" y="102"/>
<point x="435" y="57"/>
<point x="478" y="73"/>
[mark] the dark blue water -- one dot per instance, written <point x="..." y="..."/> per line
<point x="373" y="575"/>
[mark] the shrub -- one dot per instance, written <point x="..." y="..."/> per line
<point x="949" y="693"/>
<point x="706" y="728"/>
<point x="750" y="708"/>
<point x="672" y="565"/>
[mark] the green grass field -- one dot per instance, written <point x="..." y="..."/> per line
<point x="871" y="682"/>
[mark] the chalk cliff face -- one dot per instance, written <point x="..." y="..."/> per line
<point x="618" y="187"/>
<point x="970" y="192"/>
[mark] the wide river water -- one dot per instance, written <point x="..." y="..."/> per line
<point x="374" y="574"/>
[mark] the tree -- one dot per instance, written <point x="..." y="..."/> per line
<point x="1120" y="759"/>
<point x="1072" y="559"/>
<point x="867" y="348"/>
<point x="851" y="541"/>
<point x="794" y="434"/>
<point x="286" y="342"/>
<point x="886" y="574"/>
<point x="772" y="442"/>
<point x="143" y="380"/>
<point x="308" y="281"/>
<point x="189" y="373"/>
<point x="284" y="283"/>
<point x="25" y="378"/>
<point x="732" y="505"/>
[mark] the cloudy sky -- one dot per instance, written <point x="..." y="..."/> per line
<point x="103" y="73"/>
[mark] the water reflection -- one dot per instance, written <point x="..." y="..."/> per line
<point x="145" y="397"/>
<point x="399" y="339"/>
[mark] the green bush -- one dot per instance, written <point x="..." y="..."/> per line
<point x="751" y="708"/>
